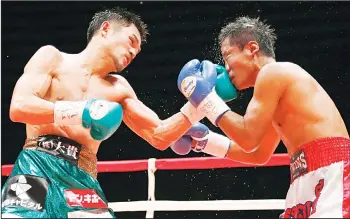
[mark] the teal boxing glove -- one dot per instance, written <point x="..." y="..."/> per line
<point x="101" y="116"/>
<point x="224" y="87"/>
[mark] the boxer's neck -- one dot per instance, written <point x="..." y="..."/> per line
<point x="259" y="63"/>
<point x="264" y="60"/>
<point x="95" y="60"/>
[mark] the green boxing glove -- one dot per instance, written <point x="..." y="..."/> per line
<point x="100" y="116"/>
<point x="224" y="87"/>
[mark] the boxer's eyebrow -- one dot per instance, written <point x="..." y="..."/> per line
<point x="137" y="40"/>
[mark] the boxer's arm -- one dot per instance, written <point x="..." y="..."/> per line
<point x="27" y="105"/>
<point x="261" y="155"/>
<point x="146" y="123"/>
<point x="249" y="130"/>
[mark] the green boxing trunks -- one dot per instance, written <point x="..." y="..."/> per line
<point x="54" y="177"/>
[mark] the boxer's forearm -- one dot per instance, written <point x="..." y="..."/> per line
<point x="236" y="153"/>
<point x="170" y="130"/>
<point x="261" y="153"/>
<point x="235" y="127"/>
<point x="145" y="123"/>
<point x="220" y="146"/>
<point x="32" y="110"/>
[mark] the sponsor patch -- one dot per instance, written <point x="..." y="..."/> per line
<point x="86" y="198"/>
<point x="26" y="191"/>
<point x="298" y="165"/>
<point x="59" y="148"/>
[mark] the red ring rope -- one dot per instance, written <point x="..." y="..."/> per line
<point x="192" y="163"/>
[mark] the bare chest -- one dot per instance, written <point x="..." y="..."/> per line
<point x="76" y="86"/>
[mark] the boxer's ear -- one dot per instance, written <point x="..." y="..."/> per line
<point x="105" y="27"/>
<point x="252" y="48"/>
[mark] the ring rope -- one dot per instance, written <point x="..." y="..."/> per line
<point x="212" y="205"/>
<point x="191" y="163"/>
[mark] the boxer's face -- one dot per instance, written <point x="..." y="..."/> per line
<point x="123" y="44"/>
<point x="239" y="64"/>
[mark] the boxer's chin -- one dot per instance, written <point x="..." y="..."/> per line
<point x="118" y="65"/>
<point x="238" y="86"/>
<point x="234" y="83"/>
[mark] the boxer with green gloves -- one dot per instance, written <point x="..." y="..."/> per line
<point x="70" y="104"/>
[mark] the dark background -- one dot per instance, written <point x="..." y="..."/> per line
<point x="314" y="35"/>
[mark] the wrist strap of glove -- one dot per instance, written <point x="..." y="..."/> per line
<point x="213" y="107"/>
<point x="218" y="145"/>
<point x="68" y="112"/>
<point x="192" y="114"/>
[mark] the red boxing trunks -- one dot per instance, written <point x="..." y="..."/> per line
<point x="320" y="181"/>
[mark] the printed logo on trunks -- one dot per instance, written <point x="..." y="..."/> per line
<point x="306" y="209"/>
<point x="60" y="149"/>
<point x="25" y="191"/>
<point x="298" y="165"/>
<point x="86" y="198"/>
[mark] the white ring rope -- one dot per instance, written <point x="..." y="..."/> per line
<point x="224" y="205"/>
<point x="151" y="186"/>
<point x="152" y="205"/>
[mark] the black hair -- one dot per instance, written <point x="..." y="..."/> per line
<point x="245" y="29"/>
<point x="125" y="17"/>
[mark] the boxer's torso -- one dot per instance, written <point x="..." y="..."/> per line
<point x="305" y="112"/>
<point x="72" y="83"/>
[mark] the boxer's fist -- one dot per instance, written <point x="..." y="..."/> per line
<point x="196" y="82"/>
<point x="101" y="116"/>
<point x="198" y="133"/>
<point x="224" y="87"/>
<point x="200" y="139"/>
<point x="182" y="146"/>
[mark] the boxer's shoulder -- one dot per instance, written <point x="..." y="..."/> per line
<point x="46" y="59"/>
<point x="121" y="84"/>
<point x="278" y="67"/>
<point x="273" y="72"/>
<point x="114" y="78"/>
<point x="49" y="52"/>
<point x="279" y="72"/>
<point x="282" y="68"/>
